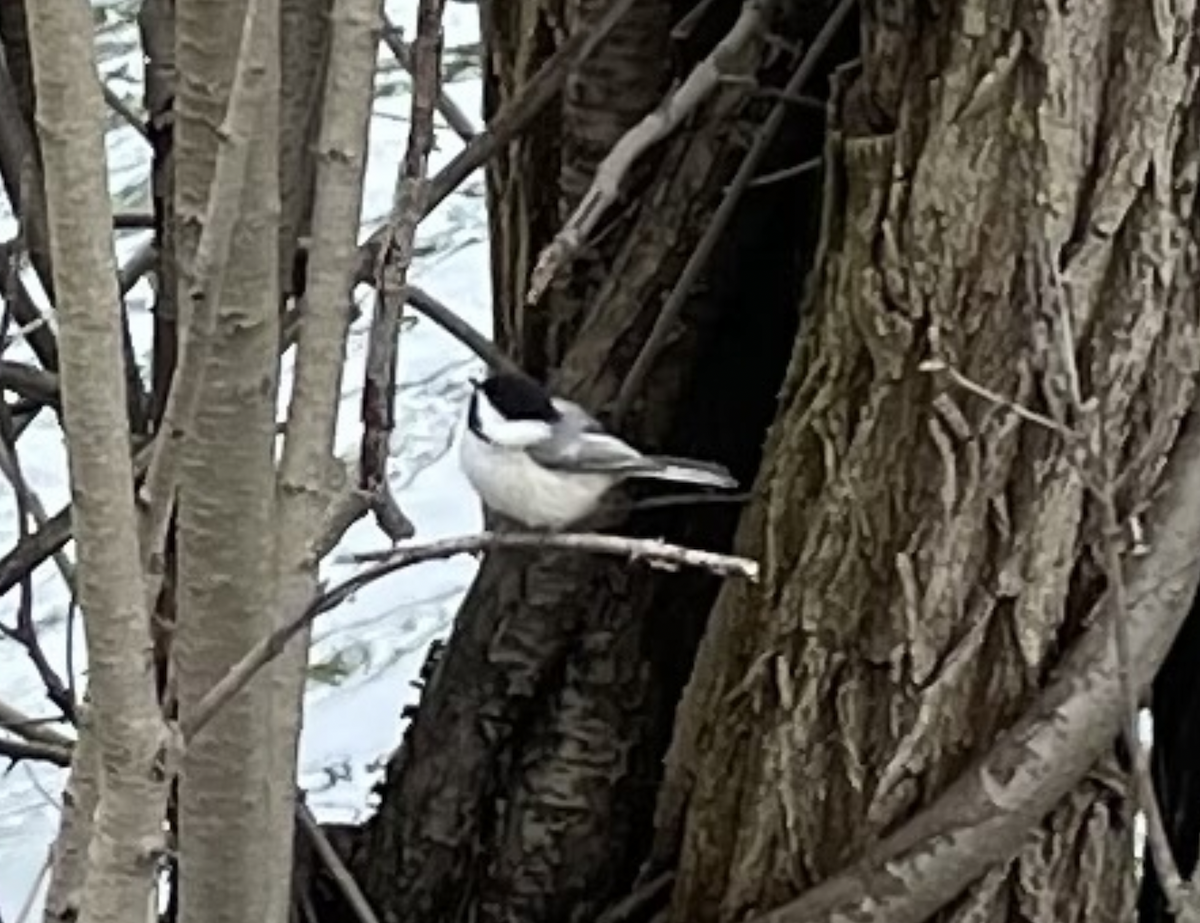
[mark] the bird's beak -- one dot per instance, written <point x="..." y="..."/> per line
<point x="475" y="382"/>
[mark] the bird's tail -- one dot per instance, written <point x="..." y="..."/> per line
<point x="689" y="471"/>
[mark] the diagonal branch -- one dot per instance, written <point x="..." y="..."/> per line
<point x="726" y="59"/>
<point x="719" y="222"/>
<point x="652" y="552"/>
<point x="509" y="122"/>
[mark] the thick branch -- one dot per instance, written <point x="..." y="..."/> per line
<point x="128" y="726"/>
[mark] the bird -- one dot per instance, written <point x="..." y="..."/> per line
<point x="546" y="463"/>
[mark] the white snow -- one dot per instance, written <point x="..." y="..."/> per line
<point x="379" y="638"/>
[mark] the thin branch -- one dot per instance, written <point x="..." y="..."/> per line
<point x="652" y="552"/>
<point x="17" y="750"/>
<point x="725" y="59"/>
<point x="805" y="166"/>
<point x="21" y="175"/>
<point x="458" y="120"/>
<point x="379" y="386"/>
<point x="334" y="864"/>
<point x="26" y="911"/>
<point x="31" y="553"/>
<point x="34" y="730"/>
<point x="635" y="904"/>
<point x="715" y="229"/>
<point x="131" y="118"/>
<point x="10" y="467"/>
<point x="509" y="122"/>
<point x="994" y="397"/>
<point x="442" y="315"/>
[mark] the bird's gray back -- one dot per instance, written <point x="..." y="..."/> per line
<point x="579" y="443"/>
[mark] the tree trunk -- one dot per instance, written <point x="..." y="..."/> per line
<point x="235" y="825"/>
<point x="526" y="782"/>
<point x="928" y="552"/>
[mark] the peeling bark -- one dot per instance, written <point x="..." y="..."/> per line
<point x="929" y="553"/>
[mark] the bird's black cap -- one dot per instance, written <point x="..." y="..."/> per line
<point x="518" y="397"/>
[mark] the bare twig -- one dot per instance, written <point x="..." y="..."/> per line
<point x="458" y="121"/>
<point x="29" y="507"/>
<point x="334" y="864"/>
<point x="654" y="553"/>
<point x="379" y="386"/>
<point x="994" y="397"/>
<point x="21" y="175"/>
<point x="35" y="730"/>
<point x="17" y="750"/>
<point x="31" y="553"/>
<point x="31" y="898"/>
<point x="725" y="59"/>
<point x="717" y="224"/>
<point x="778" y="176"/>
<point x="636" y="903"/>
<point x="510" y="121"/>
<point x="131" y="118"/>
<point x="442" y="315"/>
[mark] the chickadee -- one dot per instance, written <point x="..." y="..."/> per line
<point x="544" y="462"/>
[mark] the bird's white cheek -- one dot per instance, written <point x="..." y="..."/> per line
<point x="512" y="434"/>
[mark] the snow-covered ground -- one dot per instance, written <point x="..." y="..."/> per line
<point x="370" y="649"/>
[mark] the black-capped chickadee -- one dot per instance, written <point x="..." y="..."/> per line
<point x="546" y="463"/>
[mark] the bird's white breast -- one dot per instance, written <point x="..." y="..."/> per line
<point x="512" y="484"/>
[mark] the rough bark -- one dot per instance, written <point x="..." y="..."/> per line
<point x="540" y="731"/>
<point x="232" y="832"/>
<point x="928" y="553"/>
<point x="127" y="835"/>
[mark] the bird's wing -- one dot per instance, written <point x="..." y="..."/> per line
<point x="579" y="443"/>
<point x="591" y="452"/>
